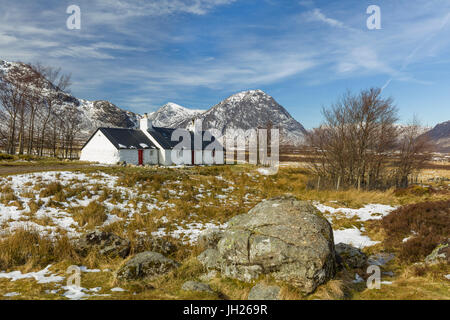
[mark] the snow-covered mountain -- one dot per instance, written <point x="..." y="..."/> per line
<point x="252" y="109"/>
<point x="93" y="114"/>
<point x="171" y="115"/>
<point x="244" y="110"/>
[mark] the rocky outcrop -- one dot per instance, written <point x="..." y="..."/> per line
<point x="211" y="259"/>
<point x="154" y="244"/>
<point x="441" y="254"/>
<point x="209" y="238"/>
<point x="264" y="292"/>
<point x="146" y="265"/>
<point x="107" y="244"/>
<point x="349" y="256"/>
<point x="283" y="237"/>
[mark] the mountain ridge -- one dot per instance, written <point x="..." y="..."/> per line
<point x="440" y="135"/>
<point x="242" y="110"/>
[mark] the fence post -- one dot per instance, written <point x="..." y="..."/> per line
<point x="318" y="183"/>
<point x="338" y="183"/>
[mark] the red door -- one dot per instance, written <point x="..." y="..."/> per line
<point x="141" y="157"/>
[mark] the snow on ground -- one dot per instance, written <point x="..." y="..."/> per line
<point x="43" y="276"/>
<point x="188" y="232"/>
<point x="352" y="237"/>
<point x="75" y="292"/>
<point x="24" y="185"/>
<point x="368" y="212"/>
<point x="11" y="294"/>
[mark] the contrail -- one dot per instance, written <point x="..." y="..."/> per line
<point x="408" y="59"/>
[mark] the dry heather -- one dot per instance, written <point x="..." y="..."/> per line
<point x="175" y="203"/>
<point x="415" y="230"/>
<point x="29" y="249"/>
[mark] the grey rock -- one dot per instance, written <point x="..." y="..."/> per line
<point x="146" y="265"/>
<point x="209" y="238"/>
<point x="208" y="276"/>
<point x="264" y="292"/>
<point x="441" y="254"/>
<point x="106" y="243"/>
<point x="283" y="237"/>
<point x="154" y="244"/>
<point x="380" y="259"/>
<point x="196" y="286"/>
<point x="210" y="259"/>
<point x="240" y="272"/>
<point x="351" y="257"/>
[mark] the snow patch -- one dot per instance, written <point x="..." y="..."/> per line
<point x="353" y="237"/>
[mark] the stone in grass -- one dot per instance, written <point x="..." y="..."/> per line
<point x="441" y="254"/>
<point x="154" y="244"/>
<point x="196" y="286"/>
<point x="146" y="265"/>
<point x="208" y="276"/>
<point x="264" y="292"/>
<point x="107" y="244"/>
<point x="350" y="256"/>
<point x="380" y="259"/>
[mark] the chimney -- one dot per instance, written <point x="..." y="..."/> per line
<point x="145" y="123"/>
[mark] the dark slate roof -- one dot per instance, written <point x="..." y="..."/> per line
<point x="126" y="138"/>
<point x="164" y="137"/>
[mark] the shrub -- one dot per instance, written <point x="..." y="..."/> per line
<point x="50" y="189"/>
<point x="31" y="248"/>
<point x="426" y="223"/>
<point x="413" y="190"/>
<point x="4" y="156"/>
<point x="92" y="215"/>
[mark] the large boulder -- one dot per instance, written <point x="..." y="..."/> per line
<point x="441" y="254"/>
<point x="146" y="265"/>
<point x="349" y="256"/>
<point x="211" y="259"/>
<point x="105" y="243"/>
<point x="283" y="237"/>
<point x="209" y="238"/>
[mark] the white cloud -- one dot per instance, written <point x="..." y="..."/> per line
<point x="317" y="15"/>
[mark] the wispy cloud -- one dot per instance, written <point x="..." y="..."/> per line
<point x="140" y="53"/>
<point x="317" y="15"/>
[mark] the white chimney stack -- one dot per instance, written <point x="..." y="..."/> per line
<point x="145" y="123"/>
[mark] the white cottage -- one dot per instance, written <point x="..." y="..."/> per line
<point x="148" y="145"/>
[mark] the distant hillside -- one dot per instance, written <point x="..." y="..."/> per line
<point x="440" y="135"/>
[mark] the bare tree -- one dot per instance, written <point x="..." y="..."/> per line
<point x="352" y="146"/>
<point x="31" y="98"/>
<point x="59" y="82"/>
<point x="414" y="149"/>
<point x="15" y="88"/>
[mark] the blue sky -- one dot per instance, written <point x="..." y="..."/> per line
<point x="142" y="54"/>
